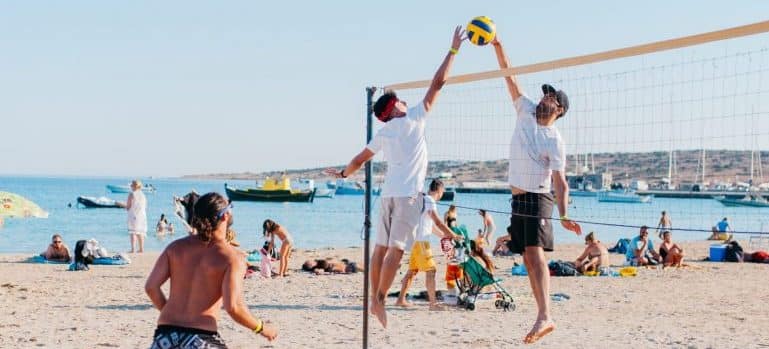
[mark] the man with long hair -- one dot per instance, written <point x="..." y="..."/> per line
<point x="206" y="274"/>
<point x="402" y="139"/>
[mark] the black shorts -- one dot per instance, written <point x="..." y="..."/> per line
<point x="177" y="337"/>
<point x="530" y="223"/>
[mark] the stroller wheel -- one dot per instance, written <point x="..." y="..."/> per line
<point x="470" y="306"/>
<point x="460" y="301"/>
<point x="498" y="303"/>
<point x="509" y="306"/>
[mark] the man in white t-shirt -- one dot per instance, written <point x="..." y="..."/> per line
<point x="402" y="139"/>
<point x="537" y="158"/>
<point x="421" y="258"/>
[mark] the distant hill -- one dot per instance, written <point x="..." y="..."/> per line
<point x="720" y="165"/>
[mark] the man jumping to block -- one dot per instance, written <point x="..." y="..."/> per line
<point x="402" y="139"/>
<point x="537" y="157"/>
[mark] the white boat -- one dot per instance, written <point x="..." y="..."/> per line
<point x="324" y="193"/>
<point x="147" y="188"/>
<point x="623" y="197"/>
<point x="751" y="200"/>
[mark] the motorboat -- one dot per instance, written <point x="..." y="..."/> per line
<point x="348" y="187"/>
<point x="147" y="188"/>
<point x="623" y="197"/>
<point x="100" y="202"/>
<point x="750" y="200"/>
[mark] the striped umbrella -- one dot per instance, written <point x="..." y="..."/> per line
<point x="14" y="205"/>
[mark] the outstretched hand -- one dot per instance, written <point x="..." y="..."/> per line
<point x="572" y="226"/>
<point x="495" y="41"/>
<point x="269" y="331"/>
<point x="333" y="172"/>
<point x="459" y="36"/>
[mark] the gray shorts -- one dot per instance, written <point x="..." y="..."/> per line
<point x="398" y="221"/>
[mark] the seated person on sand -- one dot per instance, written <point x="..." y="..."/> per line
<point x="672" y="254"/>
<point x="57" y="250"/>
<point x="500" y="248"/>
<point x="641" y="250"/>
<point x="594" y="256"/>
<point x="721" y="231"/>
<point x="331" y="266"/>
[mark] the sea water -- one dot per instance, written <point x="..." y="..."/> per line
<point x="336" y="222"/>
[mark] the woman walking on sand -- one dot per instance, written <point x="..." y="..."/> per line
<point x="137" y="215"/>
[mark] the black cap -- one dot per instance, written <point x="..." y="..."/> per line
<point x="560" y="97"/>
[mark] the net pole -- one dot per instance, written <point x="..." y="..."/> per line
<point x="367" y="216"/>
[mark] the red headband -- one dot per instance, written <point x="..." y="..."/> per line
<point x="385" y="115"/>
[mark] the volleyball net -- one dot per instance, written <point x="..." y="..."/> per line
<point x="679" y="126"/>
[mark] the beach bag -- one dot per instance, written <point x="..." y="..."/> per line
<point x="82" y="255"/>
<point x="621" y="247"/>
<point x="734" y="252"/>
<point x="561" y="268"/>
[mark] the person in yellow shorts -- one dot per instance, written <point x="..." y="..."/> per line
<point x="421" y="259"/>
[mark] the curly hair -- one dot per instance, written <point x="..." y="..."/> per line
<point x="204" y="214"/>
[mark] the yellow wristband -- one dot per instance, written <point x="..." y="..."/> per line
<point x="564" y="217"/>
<point x="453" y="51"/>
<point x="258" y="329"/>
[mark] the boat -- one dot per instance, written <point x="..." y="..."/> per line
<point x="324" y="193"/>
<point x="448" y="194"/>
<point x="147" y="188"/>
<point x="345" y="187"/>
<point x="623" y="197"/>
<point x="751" y="200"/>
<point x="269" y="194"/>
<point x="583" y="193"/>
<point x="100" y="202"/>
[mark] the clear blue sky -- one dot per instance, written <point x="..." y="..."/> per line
<point x="169" y="88"/>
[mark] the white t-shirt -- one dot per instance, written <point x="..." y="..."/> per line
<point x="535" y="150"/>
<point x="405" y="151"/>
<point x="425" y="228"/>
<point x="137" y="214"/>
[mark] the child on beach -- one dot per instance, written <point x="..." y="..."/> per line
<point x="273" y="229"/>
<point x="454" y="256"/>
<point x="421" y="256"/>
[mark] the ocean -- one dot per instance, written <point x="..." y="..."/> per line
<point x="336" y="222"/>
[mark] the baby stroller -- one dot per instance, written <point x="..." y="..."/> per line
<point x="475" y="277"/>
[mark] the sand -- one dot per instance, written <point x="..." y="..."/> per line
<point x="711" y="305"/>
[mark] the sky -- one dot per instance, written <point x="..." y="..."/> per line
<point x="147" y="88"/>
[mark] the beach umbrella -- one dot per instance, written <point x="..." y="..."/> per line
<point x="14" y="205"/>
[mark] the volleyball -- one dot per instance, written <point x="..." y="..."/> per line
<point x="481" y="30"/>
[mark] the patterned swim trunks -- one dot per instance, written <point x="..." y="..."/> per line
<point x="177" y="337"/>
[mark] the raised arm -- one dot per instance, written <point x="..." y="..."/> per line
<point x="235" y="306"/>
<point x="355" y="164"/>
<point x="159" y="275"/>
<point x="443" y="71"/>
<point x="504" y="63"/>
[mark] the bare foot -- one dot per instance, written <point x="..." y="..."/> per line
<point x="437" y="307"/>
<point x="541" y="328"/>
<point x="378" y="310"/>
<point x="402" y="303"/>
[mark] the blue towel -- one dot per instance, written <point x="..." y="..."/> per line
<point x="254" y="257"/>
<point x="41" y="260"/>
<point x="520" y="270"/>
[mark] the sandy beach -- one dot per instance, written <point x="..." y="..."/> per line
<point x="709" y="305"/>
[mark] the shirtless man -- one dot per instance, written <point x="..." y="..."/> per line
<point x="206" y="274"/>
<point x="57" y="250"/>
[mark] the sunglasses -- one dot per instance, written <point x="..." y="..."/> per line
<point x="57" y="242"/>
<point x="223" y="211"/>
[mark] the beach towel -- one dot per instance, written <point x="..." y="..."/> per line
<point x="40" y="259"/>
<point x="519" y="270"/>
<point x="621" y="246"/>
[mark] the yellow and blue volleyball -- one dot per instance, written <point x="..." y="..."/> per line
<point x="481" y="30"/>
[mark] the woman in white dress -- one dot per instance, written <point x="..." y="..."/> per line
<point x="137" y="216"/>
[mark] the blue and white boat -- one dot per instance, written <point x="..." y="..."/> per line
<point x="346" y="187"/>
<point x="623" y="197"/>
<point x="147" y="188"/>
